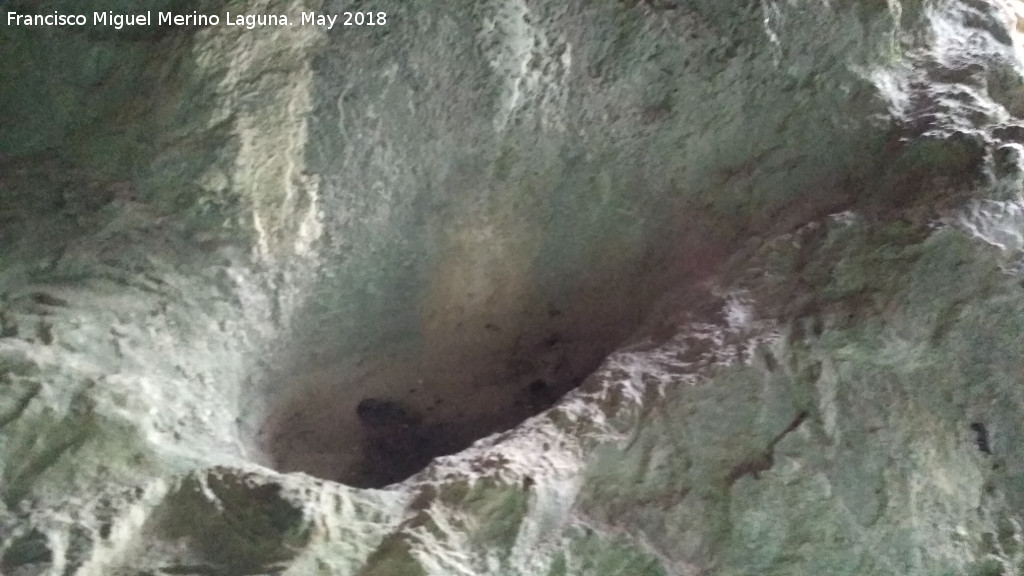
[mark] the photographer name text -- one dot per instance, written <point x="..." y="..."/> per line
<point x="149" y="18"/>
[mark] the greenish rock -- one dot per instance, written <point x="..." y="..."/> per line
<point x="236" y="523"/>
<point x="647" y="288"/>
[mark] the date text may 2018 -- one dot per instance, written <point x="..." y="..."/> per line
<point x="347" y="19"/>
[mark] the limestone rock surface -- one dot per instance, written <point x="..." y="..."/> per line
<point x="515" y="287"/>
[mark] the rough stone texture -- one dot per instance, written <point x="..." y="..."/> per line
<point x="759" y="265"/>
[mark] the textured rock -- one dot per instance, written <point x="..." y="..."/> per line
<point x="711" y="287"/>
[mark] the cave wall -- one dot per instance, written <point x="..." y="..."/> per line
<point x="776" y="242"/>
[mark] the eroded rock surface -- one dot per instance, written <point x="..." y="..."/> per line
<point x="516" y="287"/>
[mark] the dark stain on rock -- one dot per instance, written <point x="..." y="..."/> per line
<point x="29" y="550"/>
<point x="540" y="396"/>
<point x="45" y="332"/>
<point x="8" y="326"/>
<point x="45" y="299"/>
<point x="817" y="326"/>
<point x="377" y="413"/>
<point x="981" y="437"/>
<point x="764" y="461"/>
